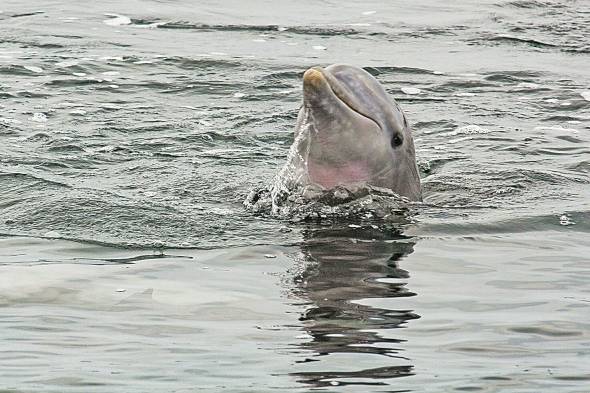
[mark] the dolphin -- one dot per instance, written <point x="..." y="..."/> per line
<point x="350" y="131"/>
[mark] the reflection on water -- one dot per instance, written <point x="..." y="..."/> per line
<point x="343" y="265"/>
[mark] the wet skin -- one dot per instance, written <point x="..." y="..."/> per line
<point x="357" y="133"/>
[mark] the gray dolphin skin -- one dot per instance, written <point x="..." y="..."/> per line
<point x="357" y="133"/>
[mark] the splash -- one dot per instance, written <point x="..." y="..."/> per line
<point x="290" y="195"/>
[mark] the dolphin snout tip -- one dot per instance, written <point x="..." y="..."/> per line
<point x="313" y="78"/>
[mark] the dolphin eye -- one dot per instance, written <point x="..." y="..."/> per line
<point x="396" y="140"/>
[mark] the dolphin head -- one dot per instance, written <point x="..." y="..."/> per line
<point x="357" y="134"/>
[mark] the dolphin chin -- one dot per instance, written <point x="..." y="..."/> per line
<point x="354" y="133"/>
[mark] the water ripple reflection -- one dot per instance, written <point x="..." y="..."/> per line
<point x="339" y="269"/>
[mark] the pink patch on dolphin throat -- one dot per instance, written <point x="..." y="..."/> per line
<point x="331" y="176"/>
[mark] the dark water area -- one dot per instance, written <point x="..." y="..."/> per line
<point x="131" y="132"/>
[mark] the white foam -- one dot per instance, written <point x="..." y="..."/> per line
<point x="527" y="85"/>
<point x="37" y="70"/>
<point x="410" y="90"/>
<point x="565" y="220"/>
<point x="39" y="117"/>
<point x="111" y="58"/>
<point x="117" y="20"/>
<point x="558" y="128"/>
<point x="585" y="95"/>
<point x="369" y="12"/>
<point x="319" y="47"/>
<point x="464" y="94"/>
<point x="239" y="95"/>
<point x="470" y="129"/>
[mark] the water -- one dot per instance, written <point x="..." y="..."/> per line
<point x="131" y="133"/>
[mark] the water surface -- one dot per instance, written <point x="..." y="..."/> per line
<point x="131" y="133"/>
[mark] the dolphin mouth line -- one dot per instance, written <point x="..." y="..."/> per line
<point x="337" y="90"/>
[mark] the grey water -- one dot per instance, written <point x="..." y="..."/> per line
<point x="131" y="133"/>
